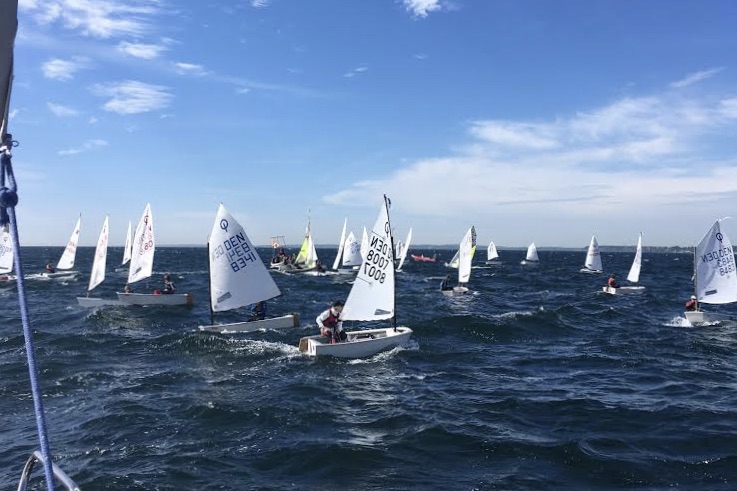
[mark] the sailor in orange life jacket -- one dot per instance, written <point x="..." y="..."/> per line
<point x="612" y="283"/>
<point x="330" y="324"/>
<point x="692" y="305"/>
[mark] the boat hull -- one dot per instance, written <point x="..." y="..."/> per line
<point x="423" y="259"/>
<point x="591" y="271"/>
<point x="622" y="290"/>
<point x="359" y="344"/>
<point x="156" y="299"/>
<point x="455" y="291"/>
<point x="697" y="318"/>
<point x="59" y="274"/>
<point x="285" y="321"/>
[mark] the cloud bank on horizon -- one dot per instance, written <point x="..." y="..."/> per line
<point x="435" y="103"/>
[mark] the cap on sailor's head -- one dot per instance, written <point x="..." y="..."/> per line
<point x="693" y="297"/>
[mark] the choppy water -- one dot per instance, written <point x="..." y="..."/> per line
<point x="536" y="381"/>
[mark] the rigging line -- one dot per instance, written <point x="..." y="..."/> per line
<point x="8" y="200"/>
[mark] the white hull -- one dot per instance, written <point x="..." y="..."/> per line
<point x="360" y="344"/>
<point x="455" y="291"/>
<point x="285" y="321"/>
<point x="492" y="262"/>
<point x="52" y="276"/>
<point x="699" y="318"/>
<point x="591" y="271"/>
<point x="525" y="262"/>
<point x="623" y="290"/>
<point x="155" y="299"/>
<point x="97" y="302"/>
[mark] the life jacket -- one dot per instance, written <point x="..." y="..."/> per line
<point x="612" y="282"/>
<point x="332" y="320"/>
<point x="691" y="304"/>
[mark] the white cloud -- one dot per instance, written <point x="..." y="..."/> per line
<point x="61" y="111"/>
<point x="92" y="120"/>
<point x="133" y="97"/>
<point x="190" y="69"/>
<point x="96" y="18"/>
<point x="58" y="69"/>
<point x="696" y="77"/>
<point x="260" y="3"/>
<point x="86" y="146"/>
<point x="635" y="157"/>
<point x="355" y="71"/>
<point x="421" y="8"/>
<point x="141" y="50"/>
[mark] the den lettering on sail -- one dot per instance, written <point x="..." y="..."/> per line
<point x="236" y="250"/>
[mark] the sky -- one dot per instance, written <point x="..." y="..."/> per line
<point x="534" y="121"/>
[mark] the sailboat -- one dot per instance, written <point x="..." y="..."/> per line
<point x="466" y="250"/>
<point x="127" y="249"/>
<point x="341" y="247"/>
<point x="141" y="267"/>
<point x="455" y="261"/>
<point x="6" y="255"/>
<point x="405" y="249"/>
<point x="371" y="299"/>
<point x="236" y="284"/>
<point x="66" y="261"/>
<point x="306" y="260"/>
<point x="592" y="264"/>
<point x="97" y="275"/>
<point x="532" y="257"/>
<point x="492" y="255"/>
<point x="634" y="275"/>
<point x="715" y="275"/>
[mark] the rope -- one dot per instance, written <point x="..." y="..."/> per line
<point x="8" y="200"/>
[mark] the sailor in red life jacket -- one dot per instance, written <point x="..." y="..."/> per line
<point x="612" y="283"/>
<point x="330" y="324"/>
<point x="692" y="305"/>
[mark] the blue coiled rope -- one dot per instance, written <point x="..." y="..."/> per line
<point x="8" y="200"/>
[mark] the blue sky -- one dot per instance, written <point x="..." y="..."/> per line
<point x="535" y="121"/>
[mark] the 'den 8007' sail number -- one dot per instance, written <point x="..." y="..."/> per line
<point x="377" y="259"/>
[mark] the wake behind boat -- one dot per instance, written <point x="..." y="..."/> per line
<point x="371" y="299"/>
<point x="238" y="278"/>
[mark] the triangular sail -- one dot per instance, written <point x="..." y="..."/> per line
<point x="455" y="261"/>
<point x="341" y="244"/>
<point x="715" y="274"/>
<point x="127" y="248"/>
<point x="97" y="275"/>
<point x="372" y="294"/>
<point x="593" y="256"/>
<point x="70" y="252"/>
<point x="466" y="250"/>
<point x="6" y="251"/>
<point x="532" y="253"/>
<point x="142" y="259"/>
<point x="364" y="243"/>
<point x="491" y="252"/>
<point x="634" y="274"/>
<point x="238" y="276"/>
<point x="351" y="251"/>
<point x="307" y="256"/>
<point x="405" y="249"/>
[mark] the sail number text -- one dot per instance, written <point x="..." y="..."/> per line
<point x="378" y="258"/>
<point x="236" y="251"/>
<point x="724" y="258"/>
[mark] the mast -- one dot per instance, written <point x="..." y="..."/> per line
<point x="387" y="203"/>
<point x="209" y="285"/>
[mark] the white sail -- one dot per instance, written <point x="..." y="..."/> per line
<point x="405" y="249"/>
<point x="593" y="256"/>
<point x="341" y="244"/>
<point x="455" y="261"/>
<point x="6" y="251"/>
<point x="634" y="274"/>
<point x="97" y="275"/>
<point x="466" y="251"/>
<point x="372" y="294"/>
<point x="532" y="253"/>
<point x="238" y="276"/>
<point x="364" y="243"/>
<point x="142" y="259"/>
<point x="715" y="274"/>
<point x="491" y="252"/>
<point x="127" y="247"/>
<point x="352" y="251"/>
<point x="70" y="252"/>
